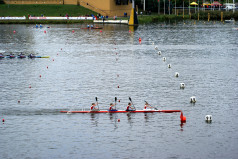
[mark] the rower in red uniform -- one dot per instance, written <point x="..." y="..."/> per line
<point x="130" y="107"/>
<point x="147" y="105"/>
<point x="94" y="107"/>
<point x="112" y="107"/>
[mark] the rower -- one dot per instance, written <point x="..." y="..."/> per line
<point x="112" y="107"/>
<point x="94" y="107"/>
<point x="91" y="26"/>
<point x="147" y="105"/>
<point x="130" y="107"/>
<point x="88" y="26"/>
<point x="31" y="56"/>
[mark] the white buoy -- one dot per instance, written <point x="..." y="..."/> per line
<point x="182" y="85"/>
<point x="169" y="65"/>
<point x="153" y="43"/>
<point x="208" y="118"/>
<point x="159" y="52"/>
<point x="156" y="47"/>
<point x="164" y="58"/>
<point x="193" y="99"/>
<point x="176" y="74"/>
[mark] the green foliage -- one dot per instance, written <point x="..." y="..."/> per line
<point x="215" y="15"/>
<point x="159" y="18"/>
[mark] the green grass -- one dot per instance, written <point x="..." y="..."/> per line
<point x="46" y="10"/>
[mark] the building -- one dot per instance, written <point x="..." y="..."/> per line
<point x="104" y="7"/>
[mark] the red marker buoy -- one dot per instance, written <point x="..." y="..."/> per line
<point x="47" y="67"/>
<point x="100" y="31"/>
<point x="119" y="100"/>
<point x="44" y="31"/>
<point x="61" y="48"/>
<point x="14" y="31"/>
<point x="129" y="31"/>
<point x="139" y="39"/>
<point x="30" y="86"/>
<point x="18" y="101"/>
<point x="182" y="118"/>
<point x="72" y="31"/>
<point x="40" y="76"/>
<point x="118" y="120"/>
<point x="118" y="87"/>
<point x="3" y="120"/>
<point x="53" y="60"/>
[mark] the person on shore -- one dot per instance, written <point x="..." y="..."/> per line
<point x="130" y="107"/>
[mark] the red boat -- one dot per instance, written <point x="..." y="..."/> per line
<point x="93" y="28"/>
<point x="123" y="111"/>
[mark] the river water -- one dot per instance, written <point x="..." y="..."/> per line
<point x="85" y="64"/>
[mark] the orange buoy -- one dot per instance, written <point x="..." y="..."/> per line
<point x="72" y="31"/>
<point x="139" y="39"/>
<point x="100" y="31"/>
<point x="182" y="118"/>
<point x="53" y="60"/>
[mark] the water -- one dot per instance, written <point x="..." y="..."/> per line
<point x="89" y="63"/>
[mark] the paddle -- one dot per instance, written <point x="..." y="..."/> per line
<point x="115" y="103"/>
<point x="150" y="105"/>
<point x="132" y="103"/>
<point x="96" y="98"/>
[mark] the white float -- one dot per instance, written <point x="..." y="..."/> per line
<point x="193" y="99"/>
<point x="176" y="74"/>
<point x="164" y="58"/>
<point x="156" y="47"/>
<point x="208" y="118"/>
<point x="182" y="85"/>
<point x="169" y="65"/>
<point x="159" y="52"/>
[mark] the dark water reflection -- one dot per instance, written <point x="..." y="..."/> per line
<point x="89" y="63"/>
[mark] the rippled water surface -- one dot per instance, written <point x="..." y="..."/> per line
<point x="85" y="64"/>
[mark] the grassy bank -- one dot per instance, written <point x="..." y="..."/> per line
<point x="46" y="10"/>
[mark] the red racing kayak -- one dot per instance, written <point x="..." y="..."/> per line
<point x="124" y="111"/>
